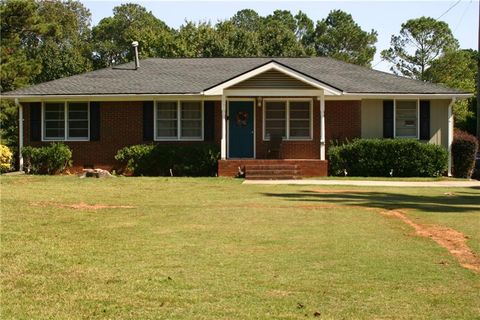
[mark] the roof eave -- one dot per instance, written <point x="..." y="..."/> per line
<point x="425" y="95"/>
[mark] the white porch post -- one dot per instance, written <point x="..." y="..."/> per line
<point x="223" y="146"/>
<point x="322" y="126"/>
<point x="450" y="136"/>
<point x="20" y="135"/>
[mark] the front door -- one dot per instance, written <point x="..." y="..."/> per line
<point x="240" y="129"/>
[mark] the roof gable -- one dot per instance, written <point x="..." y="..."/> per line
<point x="271" y="79"/>
<point x="279" y="68"/>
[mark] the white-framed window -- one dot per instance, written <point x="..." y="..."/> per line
<point x="66" y="121"/>
<point x="178" y="120"/>
<point x="291" y="118"/>
<point x="406" y="118"/>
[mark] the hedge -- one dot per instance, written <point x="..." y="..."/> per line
<point x="51" y="159"/>
<point x="5" y="158"/>
<point x="388" y="157"/>
<point x="464" y="150"/>
<point x="164" y="160"/>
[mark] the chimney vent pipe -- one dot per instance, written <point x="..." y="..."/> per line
<point x="137" y="61"/>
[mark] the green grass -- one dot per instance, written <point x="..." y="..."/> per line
<point x="217" y="249"/>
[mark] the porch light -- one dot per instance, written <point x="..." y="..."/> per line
<point x="259" y="101"/>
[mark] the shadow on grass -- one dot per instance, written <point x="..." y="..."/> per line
<point x="454" y="202"/>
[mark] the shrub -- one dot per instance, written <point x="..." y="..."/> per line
<point x="51" y="159"/>
<point x="135" y="158"/>
<point x="464" y="150"/>
<point x="377" y="157"/>
<point x="158" y="160"/>
<point x="5" y="159"/>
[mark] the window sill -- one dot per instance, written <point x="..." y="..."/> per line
<point x="293" y="140"/>
<point x="178" y="140"/>
<point x="66" y="140"/>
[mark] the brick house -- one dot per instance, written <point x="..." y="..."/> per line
<point x="237" y="103"/>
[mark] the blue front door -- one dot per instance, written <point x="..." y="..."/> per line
<point x="240" y="129"/>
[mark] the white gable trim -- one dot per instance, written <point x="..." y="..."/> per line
<point x="218" y="89"/>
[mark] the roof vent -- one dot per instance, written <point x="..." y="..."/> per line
<point x="137" y="61"/>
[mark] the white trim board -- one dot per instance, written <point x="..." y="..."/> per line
<point x="236" y="92"/>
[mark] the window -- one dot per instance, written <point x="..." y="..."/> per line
<point x="66" y="121"/>
<point x="292" y="119"/>
<point x="300" y="119"/>
<point x="77" y="120"/>
<point x="275" y="118"/>
<point x="406" y="119"/>
<point x="191" y="120"/>
<point x="179" y="120"/>
<point x="167" y="122"/>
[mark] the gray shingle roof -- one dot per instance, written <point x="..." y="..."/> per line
<point x="190" y="76"/>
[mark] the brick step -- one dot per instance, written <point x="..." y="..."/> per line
<point x="266" y="172"/>
<point x="273" y="177"/>
<point x="271" y="167"/>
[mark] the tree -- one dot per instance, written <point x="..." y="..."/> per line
<point x="338" y="36"/>
<point x="247" y="19"/>
<point x="113" y="36"/>
<point x="458" y="69"/>
<point x="198" y="40"/>
<point x="419" y="43"/>
<point x="240" y="34"/>
<point x="63" y="45"/>
<point x="238" y="41"/>
<point x="278" y="40"/>
<point x="39" y="41"/>
<point x="19" y="23"/>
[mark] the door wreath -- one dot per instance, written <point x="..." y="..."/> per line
<point x="242" y="118"/>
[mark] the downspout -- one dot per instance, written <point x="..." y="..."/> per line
<point x="450" y="135"/>
<point x="20" y="134"/>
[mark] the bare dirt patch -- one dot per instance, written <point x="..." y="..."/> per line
<point x="80" y="206"/>
<point x="455" y="242"/>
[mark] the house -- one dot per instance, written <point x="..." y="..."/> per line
<point x="237" y="103"/>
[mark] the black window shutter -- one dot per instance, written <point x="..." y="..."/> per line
<point x="148" y="121"/>
<point x="35" y="121"/>
<point x="209" y="120"/>
<point x="388" y="119"/>
<point x="424" y="120"/>
<point x="94" y="121"/>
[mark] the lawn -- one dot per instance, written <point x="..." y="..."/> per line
<point x="184" y="248"/>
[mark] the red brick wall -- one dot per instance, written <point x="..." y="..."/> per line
<point x="290" y="149"/>
<point x="342" y="120"/>
<point x="121" y="125"/>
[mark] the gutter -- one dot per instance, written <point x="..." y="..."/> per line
<point x="20" y="134"/>
<point x="147" y="97"/>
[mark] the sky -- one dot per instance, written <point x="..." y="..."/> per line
<point x="385" y="17"/>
